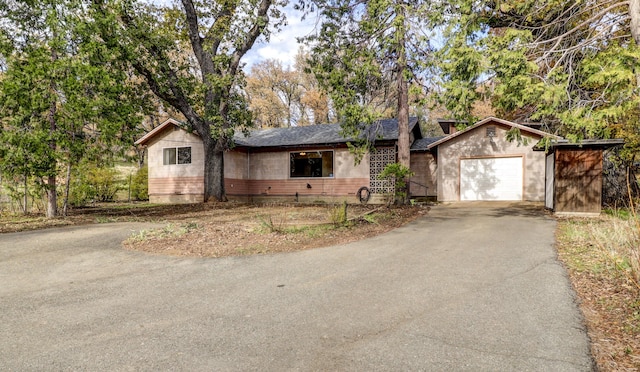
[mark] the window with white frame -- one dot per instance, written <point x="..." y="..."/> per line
<point x="311" y="164"/>
<point x="176" y="155"/>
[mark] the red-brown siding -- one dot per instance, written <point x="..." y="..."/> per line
<point x="319" y="186"/>
<point x="578" y="181"/>
<point x="176" y="185"/>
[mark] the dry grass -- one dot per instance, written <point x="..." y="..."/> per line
<point x="252" y="229"/>
<point x="602" y="257"/>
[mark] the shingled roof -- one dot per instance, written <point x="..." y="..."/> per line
<point x="422" y="143"/>
<point x="322" y="134"/>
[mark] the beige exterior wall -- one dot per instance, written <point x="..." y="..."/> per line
<point x="236" y="164"/>
<point x="175" y="183"/>
<point x="424" y="165"/>
<point x="175" y="138"/>
<point x="269" y="165"/>
<point x="344" y="166"/>
<point x="475" y="144"/>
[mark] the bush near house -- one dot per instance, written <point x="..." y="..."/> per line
<point x="94" y="184"/>
<point x="139" y="184"/>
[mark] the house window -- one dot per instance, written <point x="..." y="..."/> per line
<point x="177" y="155"/>
<point x="311" y="164"/>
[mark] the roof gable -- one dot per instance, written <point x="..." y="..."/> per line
<point x="523" y="128"/>
<point x="157" y="130"/>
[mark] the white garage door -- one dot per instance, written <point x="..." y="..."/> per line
<point x="491" y="179"/>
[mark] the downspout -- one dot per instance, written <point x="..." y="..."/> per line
<point x="249" y="186"/>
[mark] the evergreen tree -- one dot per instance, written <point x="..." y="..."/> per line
<point x="574" y="66"/>
<point x="365" y="50"/>
<point x="60" y="98"/>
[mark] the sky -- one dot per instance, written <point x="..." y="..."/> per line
<point x="282" y="46"/>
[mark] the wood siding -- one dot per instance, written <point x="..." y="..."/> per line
<point x="578" y="181"/>
<point x="176" y="186"/>
<point x="289" y="187"/>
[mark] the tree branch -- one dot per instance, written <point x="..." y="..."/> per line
<point x="260" y="24"/>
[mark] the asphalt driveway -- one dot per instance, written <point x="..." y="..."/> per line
<point x="464" y="288"/>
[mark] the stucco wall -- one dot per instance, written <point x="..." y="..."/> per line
<point x="475" y="144"/>
<point x="269" y="165"/>
<point x="175" y="182"/>
<point x="424" y="165"/>
<point x="236" y="164"/>
<point x="344" y="166"/>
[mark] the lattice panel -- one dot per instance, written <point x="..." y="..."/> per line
<point x="379" y="158"/>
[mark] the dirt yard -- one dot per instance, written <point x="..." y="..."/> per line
<point x="226" y="229"/>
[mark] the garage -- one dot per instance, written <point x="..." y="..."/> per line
<point x="491" y="178"/>
<point x="493" y="159"/>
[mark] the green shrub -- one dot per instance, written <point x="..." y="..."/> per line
<point x="94" y="184"/>
<point x="140" y="184"/>
<point x="398" y="174"/>
<point x="105" y="182"/>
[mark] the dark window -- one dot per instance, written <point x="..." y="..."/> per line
<point x="491" y="132"/>
<point x="184" y="155"/>
<point x="177" y="155"/>
<point x="311" y="164"/>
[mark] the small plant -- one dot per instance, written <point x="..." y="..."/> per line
<point x="338" y="214"/>
<point x="106" y="219"/>
<point x="267" y="223"/>
<point x="370" y="218"/>
<point x="399" y="175"/>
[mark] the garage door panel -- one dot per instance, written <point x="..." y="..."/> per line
<point x="491" y="179"/>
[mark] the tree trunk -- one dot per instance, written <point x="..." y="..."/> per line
<point x="403" y="91"/>
<point x="52" y="197"/>
<point x="67" y="186"/>
<point x="141" y="156"/>
<point x="26" y="194"/>
<point x="634" y="14"/>
<point x="403" y="98"/>
<point x="213" y="171"/>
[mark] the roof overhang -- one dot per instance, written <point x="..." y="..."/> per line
<point x="157" y="130"/>
<point x="584" y="144"/>
<point x="445" y="124"/>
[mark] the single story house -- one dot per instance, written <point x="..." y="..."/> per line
<point x="313" y="163"/>
<point x="306" y="164"/>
